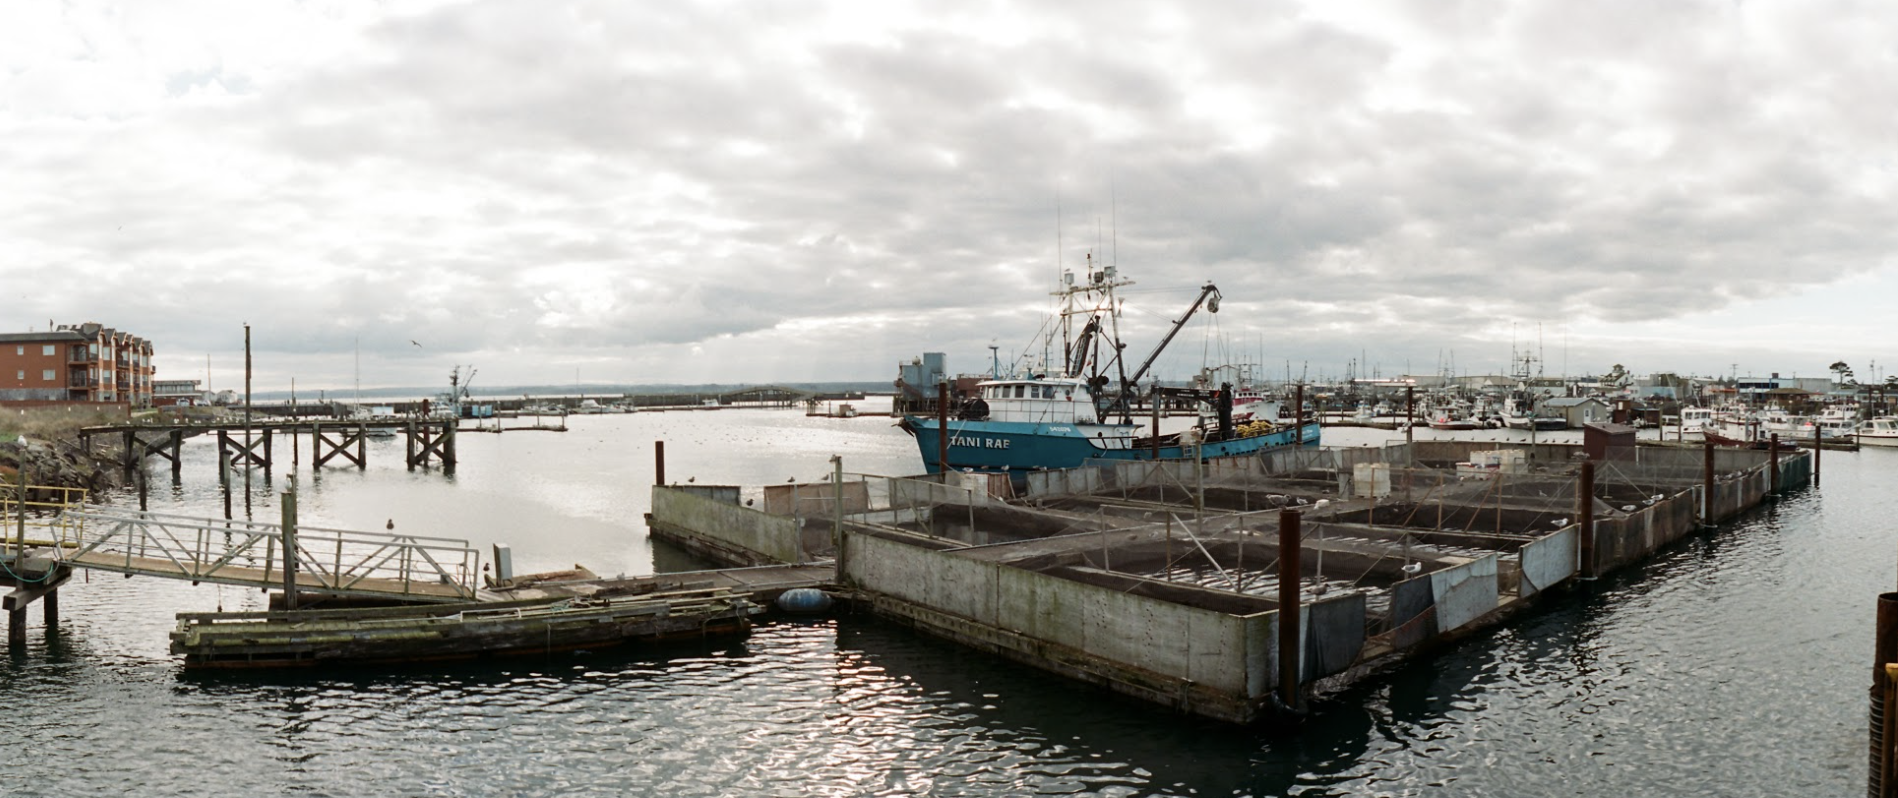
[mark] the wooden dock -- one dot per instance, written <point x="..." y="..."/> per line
<point x="453" y="631"/>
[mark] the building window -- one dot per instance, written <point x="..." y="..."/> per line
<point x="47" y="375"/>
<point x="21" y="375"/>
<point x="19" y="349"/>
<point x="47" y="350"/>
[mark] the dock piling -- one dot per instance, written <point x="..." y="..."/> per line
<point x="659" y="463"/>
<point x="1880" y="783"/>
<point x="1707" y="517"/>
<point x="1772" y="456"/>
<point x="942" y="428"/>
<point x="289" y="505"/>
<point x="1288" y="606"/>
<point x="1585" y="494"/>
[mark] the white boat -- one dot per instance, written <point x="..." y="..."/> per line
<point x="1694" y="421"/>
<point x="1880" y="431"/>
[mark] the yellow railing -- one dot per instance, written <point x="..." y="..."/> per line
<point x="41" y="519"/>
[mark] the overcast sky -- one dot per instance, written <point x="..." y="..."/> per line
<point x="762" y="191"/>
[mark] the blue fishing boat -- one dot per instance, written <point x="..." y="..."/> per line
<point x="1071" y="419"/>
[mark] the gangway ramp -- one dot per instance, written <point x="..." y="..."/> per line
<point x="251" y="554"/>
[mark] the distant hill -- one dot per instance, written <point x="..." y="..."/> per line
<point x="517" y="391"/>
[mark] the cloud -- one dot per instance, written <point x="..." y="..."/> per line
<point x="748" y="192"/>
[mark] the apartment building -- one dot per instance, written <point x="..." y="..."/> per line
<point x="75" y="363"/>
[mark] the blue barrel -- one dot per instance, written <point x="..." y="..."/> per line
<point x="804" y="599"/>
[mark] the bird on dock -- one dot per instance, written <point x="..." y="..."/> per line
<point x="1413" y="568"/>
<point x="1561" y="522"/>
<point x="391" y="524"/>
<point x="692" y="479"/>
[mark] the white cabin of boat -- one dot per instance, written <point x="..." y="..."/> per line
<point x="1038" y="400"/>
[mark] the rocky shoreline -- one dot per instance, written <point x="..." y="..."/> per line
<point x="58" y="464"/>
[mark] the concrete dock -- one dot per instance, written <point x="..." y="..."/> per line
<point x="1167" y="581"/>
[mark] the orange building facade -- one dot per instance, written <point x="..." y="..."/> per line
<point x="75" y="363"/>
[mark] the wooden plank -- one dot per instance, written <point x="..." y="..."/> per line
<point x="27" y="594"/>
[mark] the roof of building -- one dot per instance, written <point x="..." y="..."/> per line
<point x="1571" y="401"/>
<point x="47" y="335"/>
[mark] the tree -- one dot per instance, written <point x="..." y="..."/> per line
<point x="1841" y="373"/>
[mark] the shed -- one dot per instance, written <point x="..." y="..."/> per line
<point x="1577" y="411"/>
<point x="1613" y="442"/>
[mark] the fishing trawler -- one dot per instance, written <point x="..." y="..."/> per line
<point x="1071" y="418"/>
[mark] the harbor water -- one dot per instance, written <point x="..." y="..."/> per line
<point x="1733" y="664"/>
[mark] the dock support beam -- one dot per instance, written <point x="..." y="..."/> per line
<point x="324" y="449"/>
<point x="1288" y="606"/>
<point x="244" y="453"/>
<point x="659" y="463"/>
<point x="1585" y="493"/>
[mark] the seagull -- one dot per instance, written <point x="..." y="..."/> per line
<point x="413" y="341"/>
<point x="1627" y="508"/>
<point x="692" y="479"/>
<point x="1321" y="503"/>
<point x="391" y="524"/>
<point x="1413" y="569"/>
<point x="1561" y="522"/>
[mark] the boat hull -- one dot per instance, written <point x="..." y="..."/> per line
<point x="1022" y="446"/>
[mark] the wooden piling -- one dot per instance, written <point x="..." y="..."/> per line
<point x="177" y="453"/>
<point x="659" y="463"/>
<point x="1298" y="416"/>
<point x="224" y="477"/>
<point x="1410" y="414"/>
<point x="408" y="437"/>
<point x="942" y="428"/>
<point x="1708" y="516"/>
<point x="1154" y="436"/>
<point x="289" y="504"/>
<point x="49" y="610"/>
<point x="1288" y="606"/>
<point x="1817" y="445"/>
<point x="1881" y="783"/>
<point x="1585" y="494"/>
<point x="1772" y="455"/>
<point x="448" y="445"/>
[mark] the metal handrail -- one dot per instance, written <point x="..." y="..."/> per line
<point x="214" y="550"/>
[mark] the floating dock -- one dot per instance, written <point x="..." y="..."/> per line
<point x="1170" y="582"/>
<point x="453" y="631"/>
